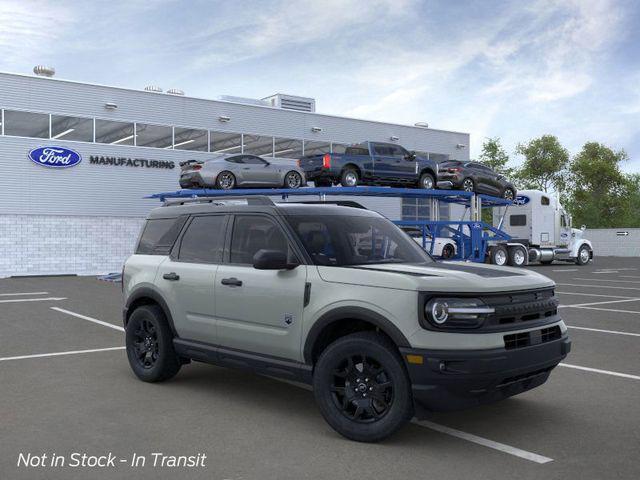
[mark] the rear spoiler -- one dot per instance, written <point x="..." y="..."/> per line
<point x="189" y="162"/>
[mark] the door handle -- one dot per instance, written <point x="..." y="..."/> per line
<point x="171" y="276"/>
<point x="231" y="282"/>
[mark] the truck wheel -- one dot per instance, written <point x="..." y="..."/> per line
<point x="426" y="181"/>
<point x="149" y="345"/>
<point x="517" y="256"/>
<point x="225" y="180"/>
<point x="349" y="178"/>
<point x="448" y="251"/>
<point x="362" y="388"/>
<point x="499" y="255"/>
<point x="584" y="255"/>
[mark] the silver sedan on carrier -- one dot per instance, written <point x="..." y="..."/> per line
<point x="241" y="170"/>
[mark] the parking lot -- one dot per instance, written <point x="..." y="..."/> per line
<point x="67" y="387"/>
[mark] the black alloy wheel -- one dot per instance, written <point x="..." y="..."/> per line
<point x="145" y="344"/>
<point x="293" y="180"/>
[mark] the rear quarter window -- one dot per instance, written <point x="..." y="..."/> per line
<point x="159" y="235"/>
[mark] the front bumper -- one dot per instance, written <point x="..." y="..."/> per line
<point x="452" y="380"/>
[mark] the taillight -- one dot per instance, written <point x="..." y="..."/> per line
<point x="326" y="161"/>
<point x="298" y="162"/>
<point x="196" y="167"/>
<point x="454" y="170"/>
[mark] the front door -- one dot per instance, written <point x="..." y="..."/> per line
<point x="259" y="310"/>
<point x="258" y="171"/>
<point x="187" y="278"/>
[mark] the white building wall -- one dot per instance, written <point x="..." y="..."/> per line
<point x="612" y="242"/>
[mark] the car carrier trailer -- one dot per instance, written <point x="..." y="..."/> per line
<point x="475" y="240"/>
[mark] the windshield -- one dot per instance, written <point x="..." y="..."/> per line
<point x="340" y="241"/>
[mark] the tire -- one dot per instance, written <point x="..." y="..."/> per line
<point x="468" y="185"/>
<point x="499" y="255"/>
<point x="349" y="177"/>
<point x="337" y="377"/>
<point x="517" y="257"/>
<point x="509" y="194"/>
<point x="546" y="262"/>
<point x="584" y="255"/>
<point x="149" y="345"/>
<point x="448" y="251"/>
<point x="292" y="180"/>
<point x="427" y="182"/>
<point x="225" y="180"/>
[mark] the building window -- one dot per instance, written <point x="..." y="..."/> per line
<point x="157" y="136"/>
<point x="115" y="133"/>
<point x="71" y="128"/>
<point x="287" y="148"/>
<point x="225" y="142"/>
<point x="338" y="147"/>
<point x="190" y="139"/>
<point x="316" y="148"/>
<point x="257" y="145"/>
<point x="438" y="157"/>
<point x="26" y="124"/>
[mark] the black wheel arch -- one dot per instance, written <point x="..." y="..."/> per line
<point x="430" y="171"/>
<point x="352" y="166"/>
<point x="337" y="320"/>
<point x="147" y="296"/>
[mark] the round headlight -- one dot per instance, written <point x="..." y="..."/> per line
<point x="439" y="312"/>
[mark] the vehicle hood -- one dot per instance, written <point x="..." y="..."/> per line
<point x="460" y="277"/>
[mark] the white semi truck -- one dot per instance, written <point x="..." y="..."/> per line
<point x="540" y="231"/>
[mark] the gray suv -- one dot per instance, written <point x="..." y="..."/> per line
<point x="339" y="298"/>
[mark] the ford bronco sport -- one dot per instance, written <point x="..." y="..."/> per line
<point x="339" y="298"/>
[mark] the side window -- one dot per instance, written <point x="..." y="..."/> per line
<point x="381" y="149"/>
<point x="203" y="241"/>
<point x="517" y="220"/>
<point x="544" y="201"/>
<point x="252" y="233"/>
<point x="237" y="159"/>
<point x="398" y="151"/>
<point x="158" y="235"/>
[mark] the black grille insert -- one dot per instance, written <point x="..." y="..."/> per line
<point x="535" y="337"/>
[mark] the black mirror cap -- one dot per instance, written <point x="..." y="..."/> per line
<point x="272" y="260"/>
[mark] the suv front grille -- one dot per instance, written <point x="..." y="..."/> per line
<point x="521" y="307"/>
<point x="535" y="337"/>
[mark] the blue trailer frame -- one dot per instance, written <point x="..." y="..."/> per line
<point x="472" y="237"/>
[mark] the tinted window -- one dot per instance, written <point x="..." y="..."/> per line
<point x="251" y="160"/>
<point x="258" y="145"/>
<point x="158" y="235"/>
<point x="204" y="240"/>
<point x="26" y="124"/>
<point x="72" y="128"/>
<point x="225" y="142"/>
<point x="157" y="136"/>
<point x="382" y="150"/>
<point x="190" y="139"/>
<point x="115" y="133"/>
<point x="357" y="151"/>
<point x="338" y="240"/>
<point x="287" y="148"/>
<point x="252" y="233"/>
<point x="238" y="159"/>
<point x="518" y="220"/>
<point x="316" y="148"/>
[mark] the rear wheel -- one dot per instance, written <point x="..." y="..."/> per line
<point x="517" y="256"/>
<point x="468" y="185"/>
<point x="448" y="251"/>
<point x="508" y="194"/>
<point x="427" y="181"/>
<point x="349" y="178"/>
<point x="362" y="388"/>
<point x="225" y="180"/>
<point x="149" y="345"/>
<point x="499" y="255"/>
<point x="293" y="180"/>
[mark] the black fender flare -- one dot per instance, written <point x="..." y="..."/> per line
<point x="147" y="292"/>
<point x="351" y="313"/>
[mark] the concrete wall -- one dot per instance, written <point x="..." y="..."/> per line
<point x="611" y="242"/>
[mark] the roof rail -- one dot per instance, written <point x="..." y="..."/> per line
<point x="226" y="200"/>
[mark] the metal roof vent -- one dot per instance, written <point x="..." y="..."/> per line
<point x="175" y="91"/>
<point x="44" y="71"/>
<point x="291" y="102"/>
<point x="422" y="124"/>
<point x="153" y="88"/>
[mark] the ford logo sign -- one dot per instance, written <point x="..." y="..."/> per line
<point x="521" y="200"/>
<point x="55" y="157"/>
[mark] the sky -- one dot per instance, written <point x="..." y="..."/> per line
<point x="509" y="69"/>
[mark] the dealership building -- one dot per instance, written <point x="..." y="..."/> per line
<point x="126" y="144"/>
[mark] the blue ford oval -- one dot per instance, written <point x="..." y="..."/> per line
<point x="55" y="157"/>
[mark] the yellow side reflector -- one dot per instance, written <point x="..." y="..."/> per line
<point x="416" y="359"/>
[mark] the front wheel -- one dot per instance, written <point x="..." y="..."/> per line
<point x="362" y="388"/>
<point x="426" y="182"/>
<point x="448" y="251"/>
<point x="293" y="180"/>
<point x="584" y="255"/>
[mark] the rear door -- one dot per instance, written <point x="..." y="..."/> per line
<point x="259" y="311"/>
<point x="187" y="277"/>
<point x="383" y="160"/>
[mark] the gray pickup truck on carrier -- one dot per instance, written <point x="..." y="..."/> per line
<point x="371" y="163"/>
<point x="339" y="298"/>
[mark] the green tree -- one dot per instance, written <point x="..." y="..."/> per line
<point x="545" y="164"/>
<point x="599" y="193"/>
<point x="494" y="156"/>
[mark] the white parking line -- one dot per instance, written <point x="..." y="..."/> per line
<point x="577" y="305"/>
<point x="593" y="295"/>
<point x="533" y="457"/>
<point x="56" y="354"/>
<point x="16" y="300"/>
<point x="614" y="332"/>
<point x="597" y="370"/>
<point x="597" y="286"/>
<point x="629" y="276"/>
<point x="566" y="270"/>
<point x="605" y="272"/>
<point x="25" y="293"/>
<point x="608" y="309"/>
<point x="89" y="319"/>
<point x="607" y="280"/>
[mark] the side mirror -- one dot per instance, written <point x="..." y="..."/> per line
<point x="410" y="156"/>
<point x="272" y="260"/>
<point x="583" y="228"/>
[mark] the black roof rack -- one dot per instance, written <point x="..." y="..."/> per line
<point x="227" y="200"/>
